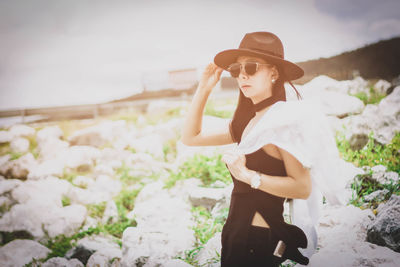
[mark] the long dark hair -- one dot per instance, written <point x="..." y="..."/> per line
<point x="244" y="110"/>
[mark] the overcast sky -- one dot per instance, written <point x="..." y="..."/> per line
<point x="81" y="51"/>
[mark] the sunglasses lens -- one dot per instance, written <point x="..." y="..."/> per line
<point x="234" y="69"/>
<point x="250" y="68"/>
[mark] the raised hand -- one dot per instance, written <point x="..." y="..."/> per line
<point x="210" y="77"/>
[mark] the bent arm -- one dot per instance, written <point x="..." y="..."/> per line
<point x="192" y="134"/>
<point x="297" y="183"/>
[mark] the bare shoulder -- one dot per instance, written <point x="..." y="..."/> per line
<point x="273" y="151"/>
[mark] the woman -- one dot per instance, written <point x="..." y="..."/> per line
<point x="262" y="179"/>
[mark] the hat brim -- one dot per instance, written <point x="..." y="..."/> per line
<point x="225" y="58"/>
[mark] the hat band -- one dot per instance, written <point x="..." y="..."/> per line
<point x="264" y="52"/>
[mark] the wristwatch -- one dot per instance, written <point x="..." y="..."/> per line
<point x="255" y="180"/>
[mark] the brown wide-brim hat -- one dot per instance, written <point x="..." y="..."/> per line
<point x="264" y="45"/>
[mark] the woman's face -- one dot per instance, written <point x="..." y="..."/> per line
<point x="258" y="86"/>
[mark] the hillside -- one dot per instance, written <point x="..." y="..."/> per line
<point x="380" y="60"/>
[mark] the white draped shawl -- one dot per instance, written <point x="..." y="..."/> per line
<point x="301" y="128"/>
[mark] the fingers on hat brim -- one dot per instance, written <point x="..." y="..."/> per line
<point x="227" y="57"/>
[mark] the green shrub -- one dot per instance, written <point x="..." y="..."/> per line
<point x="363" y="185"/>
<point x="208" y="169"/>
<point x="373" y="153"/>
<point x="372" y="98"/>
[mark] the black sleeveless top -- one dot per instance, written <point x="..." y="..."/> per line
<point x="245" y="201"/>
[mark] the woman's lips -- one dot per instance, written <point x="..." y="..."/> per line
<point x="245" y="86"/>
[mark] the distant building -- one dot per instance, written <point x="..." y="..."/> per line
<point x="173" y="80"/>
<point x="182" y="79"/>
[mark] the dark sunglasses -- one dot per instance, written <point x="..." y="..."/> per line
<point x="249" y="67"/>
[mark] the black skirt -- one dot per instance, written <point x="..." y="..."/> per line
<point x="256" y="250"/>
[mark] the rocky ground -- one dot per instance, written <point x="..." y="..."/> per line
<point x="125" y="191"/>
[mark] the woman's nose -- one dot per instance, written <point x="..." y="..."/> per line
<point x="242" y="73"/>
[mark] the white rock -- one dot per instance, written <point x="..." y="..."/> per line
<point x="389" y="105"/>
<point x="207" y="197"/>
<point x="110" y="213"/>
<point x="20" y="252"/>
<point x="19" y="130"/>
<point x="8" y="185"/>
<point x="104" y="257"/>
<point x="51" y="148"/>
<point x="153" y="245"/>
<point x="358" y="85"/>
<point x="152" y="144"/>
<point x="386" y="177"/>
<point x="103" y="169"/>
<point x="338" y="104"/>
<point x="83" y="181"/>
<point x="18" y="168"/>
<point x="175" y="263"/>
<point x="86" y="196"/>
<point x="20" y="145"/>
<point x="183" y="188"/>
<point x="49" y="132"/>
<point x="107" y="132"/>
<point x="104" y="183"/>
<point x="162" y="237"/>
<point x="39" y="191"/>
<point x="211" y="250"/>
<point x="378" y="168"/>
<point x="98" y="243"/>
<point x="44" y="169"/>
<point x="54" y="220"/>
<point x="65" y="221"/>
<point x="342" y="231"/>
<point x="382" y="86"/>
<point x="59" y="261"/>
<point x="80" y="157"/>
<point x="5" y="137"/>
<point x="322" y="83"/>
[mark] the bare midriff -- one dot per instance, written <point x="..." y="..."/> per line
<point x="258" y="220"/>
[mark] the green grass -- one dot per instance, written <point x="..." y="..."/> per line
<point x="96" y="210"/>
<point x="125" y="200"/>
<point x="206" y="227"/>
<point x="211" y="110"/>
<point x="169" y="149"/>
<point x="123" y="174"/>
<point x="61" y="244"/>
<point x="372" y="98"/>
<point x="207" y="169"/>
<point x="373" y="153"/>
<point x="364" y="185"/>
<point x="71" y="175"/>
<point x="66" y="201"/>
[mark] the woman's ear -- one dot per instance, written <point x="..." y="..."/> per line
<point x="275" y="73"/>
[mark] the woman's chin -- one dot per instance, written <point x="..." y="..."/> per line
<point x="247" y="94"/>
